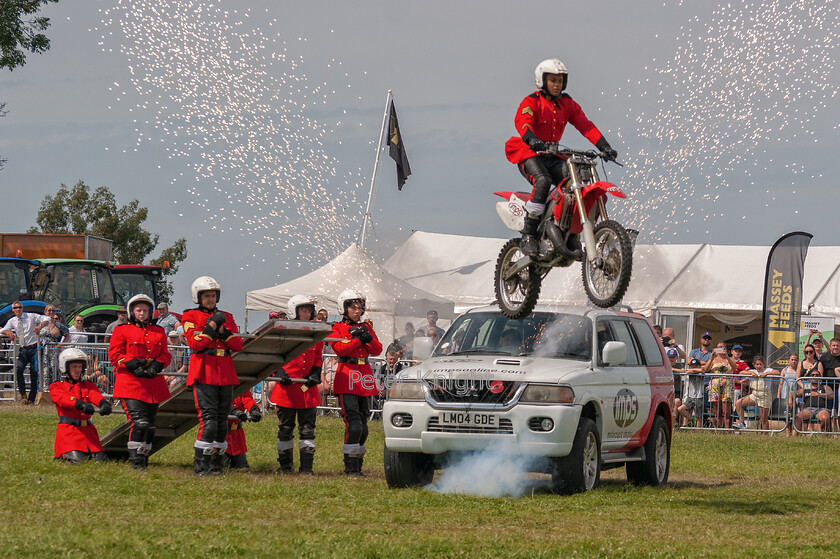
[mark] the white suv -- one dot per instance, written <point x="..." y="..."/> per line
<point x="588" y="389"/>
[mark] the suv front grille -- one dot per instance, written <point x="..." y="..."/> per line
<point x="459" y="391"/>
<point x="505" y="428"/>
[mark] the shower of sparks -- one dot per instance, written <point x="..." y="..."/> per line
<point x="749" y="79"/>
<point x="226" y="97"/>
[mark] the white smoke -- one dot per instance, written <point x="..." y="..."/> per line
<point x="493" y="472"/>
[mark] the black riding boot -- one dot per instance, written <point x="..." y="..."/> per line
<point x="529" y="245"/>
<point x="286" y="460"/>
<point x="201" y="463"/>
<point x="307" y="458"/>
<point x="138" y="461"/>
<point x="218" y="462"/>
<point x="352" y="465"/>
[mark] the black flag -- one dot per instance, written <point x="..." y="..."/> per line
<point x="783" y="298"/>
<point x="397" y="149"/>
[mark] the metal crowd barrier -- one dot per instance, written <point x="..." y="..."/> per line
<point x="723" y="416"/>
<point x="8" y="379"/>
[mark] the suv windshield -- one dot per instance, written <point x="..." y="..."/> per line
<point x="542" y="334"/>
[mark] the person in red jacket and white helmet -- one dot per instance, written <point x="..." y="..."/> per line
<point x="354" y="381"/>
<point x="541" y="119"/>
<point x="244" y="408"/>
<point x="76" y="438"/>
<point x="212" y="337"/>
<point x="138" y="351"/>
<point x="296" y="400"/>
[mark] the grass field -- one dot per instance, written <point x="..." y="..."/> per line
<point x="728" y="495"/>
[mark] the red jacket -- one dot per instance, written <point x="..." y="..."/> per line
<point x="296" y="395"/>
<point x="68" y="437"/>
<point x="546" y="118"/>
<point x="130" y="341"/>
<point x="354" y="378"/>
<point x="236" y="434"/>
<point x="211" y="361"/>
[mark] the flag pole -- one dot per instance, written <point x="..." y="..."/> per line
<point x="367" y="217"/>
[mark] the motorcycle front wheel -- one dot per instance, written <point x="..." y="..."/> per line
<point x="607" y="276"/>
<point x="517" y="296"/>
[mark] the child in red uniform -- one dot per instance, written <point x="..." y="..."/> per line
<point x="76" y="439"/>
<point x="244" y="408"/>
<point x="212" y="337"/>
<point x="354" y="381"/>
<point x="296" y="400"/>
<point x="138" y="351"/>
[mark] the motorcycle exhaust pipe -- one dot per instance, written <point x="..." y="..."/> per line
<point x="556" y="237"/>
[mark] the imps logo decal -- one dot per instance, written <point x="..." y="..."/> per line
<point x="625" y="408"/>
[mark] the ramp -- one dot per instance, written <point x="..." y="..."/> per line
<point x="265" y="350"/>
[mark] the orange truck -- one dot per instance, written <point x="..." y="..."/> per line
<point x="38" y="246"/>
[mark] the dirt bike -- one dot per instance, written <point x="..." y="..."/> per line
<point x="577" y="205"/>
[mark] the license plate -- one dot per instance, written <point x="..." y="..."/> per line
<point x="469" y="419"/>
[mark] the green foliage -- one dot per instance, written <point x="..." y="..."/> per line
<point x="20" y="30"/>
<point x="174" y="254"/>
<point x="729" y="495"/>
<point x="79" y="211"/>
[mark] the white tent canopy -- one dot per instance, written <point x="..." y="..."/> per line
<point x="388" y="297"/>
<point x="702" y="277"/>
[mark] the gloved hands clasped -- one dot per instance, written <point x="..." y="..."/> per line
<point x="214" y="326"/>
<point x="361" y="333"/>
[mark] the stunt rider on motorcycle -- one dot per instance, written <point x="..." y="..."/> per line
<point x="541" y="118"/>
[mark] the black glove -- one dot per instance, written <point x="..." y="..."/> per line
<point x="144" y="373"/>
<point x="134" y="365"/>
<point x="224" y="333"/>
<point x="84" y="407"/>
<point x="606" y="149"/>
<point x="537" y="145"/>
<point x="314" y="377"/>
<point x="104" y="407"/>
<point x="154" y="368"/>
<point x="283" y="378"/>
<point x="254" y="414"/>
<point x="361" y="333"/>
<point x="219" y="318"/>
<point x="239" y="414"/>
<point x="210" y="332"/>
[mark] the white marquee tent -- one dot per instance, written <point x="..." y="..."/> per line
<point x="389" y="299"/>
<point x="725" y="281"/>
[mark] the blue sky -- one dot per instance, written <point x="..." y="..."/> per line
<point x="250" y="127"/>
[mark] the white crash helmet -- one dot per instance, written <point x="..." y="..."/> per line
<point x="70" y="355"/>
<point x="550" y="66"/>
<point x="350" y="296"/>
<point x="205" y="283"/>
<point x="300" y="301"/>
<point x="140" y="298"/>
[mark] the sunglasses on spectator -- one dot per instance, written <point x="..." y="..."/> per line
<point x="17" y="307"/>
<point x="809" y="353"/>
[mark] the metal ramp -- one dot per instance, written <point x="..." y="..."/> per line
<point x="265" y="350"/>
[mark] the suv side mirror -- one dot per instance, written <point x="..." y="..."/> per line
<point x="422" y="348"/>
<point x="614" y="354"/>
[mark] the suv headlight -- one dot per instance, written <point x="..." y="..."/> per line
<point x="406" y="390"/>
<point x="548" y="394"/>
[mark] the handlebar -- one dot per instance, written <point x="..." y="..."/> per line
<point x="560" y="150"/>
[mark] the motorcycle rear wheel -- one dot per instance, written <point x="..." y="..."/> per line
<point x="607" y="277"/>
<point x="518" y="295"/>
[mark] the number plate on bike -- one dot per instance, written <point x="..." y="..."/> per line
<point x="468" y="419"/>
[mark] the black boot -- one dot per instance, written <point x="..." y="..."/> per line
<point x="529" y="245"/>
<point x="307" y="458"/>
<point x="286" y="460"/>
<point x="201" y="463"/>
<point x="352" y="465"/>
<point x="137" y="460"/>
<point x="217" y="462"/>
<point x="361" y="463"/>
